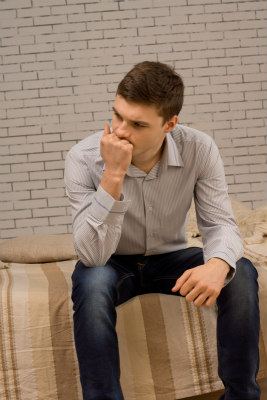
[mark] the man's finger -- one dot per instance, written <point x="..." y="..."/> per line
<point x="179" y="283"/>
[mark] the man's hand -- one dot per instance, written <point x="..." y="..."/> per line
<point x="117" y="155"/>
<point x="203" y="284"/>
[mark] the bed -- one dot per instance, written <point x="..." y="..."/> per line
<point x="167" y="346"/>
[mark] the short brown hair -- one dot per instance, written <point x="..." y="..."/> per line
<point x="154" y="83"/>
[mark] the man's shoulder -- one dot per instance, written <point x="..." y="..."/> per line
<point x="89" y="146"/>
<point x="184" y="134"/>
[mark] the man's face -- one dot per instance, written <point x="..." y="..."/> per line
<point x="141" y="125"/>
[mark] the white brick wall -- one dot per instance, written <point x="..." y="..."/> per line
<point x="61" y="61"/>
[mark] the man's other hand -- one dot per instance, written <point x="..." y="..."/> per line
<point x="203" y="284"/>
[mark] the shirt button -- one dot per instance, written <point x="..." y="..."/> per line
<point x="150" y="208"/>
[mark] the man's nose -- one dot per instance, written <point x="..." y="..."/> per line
<point x="122" y="131"/>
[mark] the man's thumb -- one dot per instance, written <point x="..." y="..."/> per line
<point x="106" y="130"/>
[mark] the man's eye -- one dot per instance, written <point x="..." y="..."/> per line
<point x="117" y="116"/>
<point x="137" y="125"/>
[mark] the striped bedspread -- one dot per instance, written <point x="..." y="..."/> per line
<point x="167" y="346"/>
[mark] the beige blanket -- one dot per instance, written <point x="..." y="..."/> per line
<point x="167" y="346"/>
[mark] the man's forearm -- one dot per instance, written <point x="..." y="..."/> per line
<point x="112" y="184"/>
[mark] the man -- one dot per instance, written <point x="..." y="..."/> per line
<point x="130" y="191"/>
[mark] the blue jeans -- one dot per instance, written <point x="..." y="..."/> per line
<point x="98" y="290"/>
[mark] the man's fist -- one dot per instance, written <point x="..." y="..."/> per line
<point x="116" y="153"/>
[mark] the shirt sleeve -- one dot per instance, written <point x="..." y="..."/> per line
<point x="97" y="216"/>
<point x="216" y="222"/>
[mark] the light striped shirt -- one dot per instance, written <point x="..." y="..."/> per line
<point x="151" y="216"/>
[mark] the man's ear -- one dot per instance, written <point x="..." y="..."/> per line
<point x="169" y="125"/>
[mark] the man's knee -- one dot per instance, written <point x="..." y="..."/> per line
<point x="243" y="288"/>
<point x="89" y="282"/>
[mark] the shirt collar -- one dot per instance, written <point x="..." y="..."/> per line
<point x="171" y="155"/>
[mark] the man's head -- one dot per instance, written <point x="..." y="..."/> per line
<point x="154" y="83"/>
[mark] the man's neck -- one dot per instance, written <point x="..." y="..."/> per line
<point x="147" y="164"/>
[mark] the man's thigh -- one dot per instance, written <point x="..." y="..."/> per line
<point x="162" y="271"/>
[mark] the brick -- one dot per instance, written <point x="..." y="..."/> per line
<point x="45" y="157"/>
<point x="44" y="138"/>
<point x="5" y="187"/>
<point x="26" y="167"/>
<point x="75" y="9"/>
<point x="239" y="16"/>
<point x="57" y="92"/>
<point x="49" y="230"/>
<point x="78" y="27"/>
<point x="84" y="17"/>
<point x="205" y="18"/>
<point x="42" y="120"/>
<point x="240" y="34"/>
<point x="10" y="233"/>
<point x="39" y="84"/>
<point x="255" y="95"/>
<point x="153" y="12"/>
<point x="110" y="33"/>
<point x="52" y="20"/>
<point x="14" y="214"/>
<point x="45" y="175"/>
<point x="252" y="5"/>
<point x="22" y="94"/>
<point x="55" y="110"/>
<point x="60" y="220"/>
<point x="16" y="22"/>
<point x="7" y="224"/>
<point x="52" y="165"/>
<point x="12" y="140"/>
<point x="136" y="22"/>
<point x="13" y="196"/>
<point x="221" y="8"/>
<point x="249" y="160"/>
<point x="103" y="6"/>
<point x="17" y="40"/>
<point x="254" y="77"/>
<point x="23" y="112"/>
<point x="78" y="45"/>
<point x="9" y="68"/>
<point x="48" y="2"/>
<point x="36" y="30"/>
<point x="225" y="61"/>
<point x="49" y="212"/>
<point x="128" y="5"/>
<point x="24" y="130"/>
<point x="36" y="48"/>
<point x="33" y="11"/>
<point x="56" y="183"/>
<point x="239" y="188"/>
<point x="247" y="105"/>
<point x="12" y="122"/>
<point x="47" y="193"/>
<point x="26" y="149"/>
<point x="6" y="86"/>
<point x="57" y="202"/>
<point x="256" y="150"/>
<point x="13" y="177"/>
<point x="17" y="186"/>
<point x="40" y="102"/>
<point x="10" y="4"/>
<point x="31" y="222"/>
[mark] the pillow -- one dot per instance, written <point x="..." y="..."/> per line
<point x="37" y="249"/>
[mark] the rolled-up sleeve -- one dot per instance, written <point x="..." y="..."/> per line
<point x="97" y="217"/>
<point x="216" y="222"/>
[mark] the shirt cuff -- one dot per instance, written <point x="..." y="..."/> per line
<point x="106" y="209"/>
<point x="223" y="256"/>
